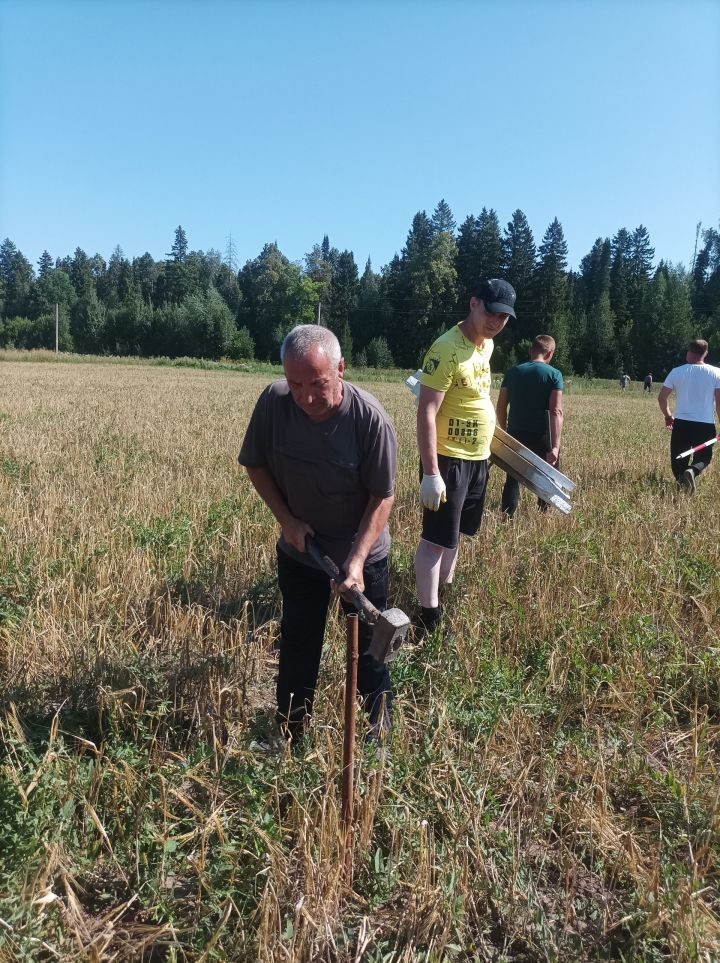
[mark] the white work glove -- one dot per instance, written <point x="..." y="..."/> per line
<point x="432" y="492"/>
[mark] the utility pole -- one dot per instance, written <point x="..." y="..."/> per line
<point x="697" y="236"/>
<point x="57" y="329"/>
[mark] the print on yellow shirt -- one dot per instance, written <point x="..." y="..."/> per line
<point x="466" y="420"/>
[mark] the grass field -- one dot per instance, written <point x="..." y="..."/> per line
<point x="551" y="789"/>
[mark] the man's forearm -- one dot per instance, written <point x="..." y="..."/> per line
<point x="556" y="426"/>
<point x="663" y="399"/>
<point x="427" y="442"/>
<point x="501" y="409"/>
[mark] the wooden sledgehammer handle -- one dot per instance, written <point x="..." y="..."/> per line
<point x="354" y="596"/>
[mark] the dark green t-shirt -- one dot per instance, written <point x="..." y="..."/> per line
<point x="529" y="387"/>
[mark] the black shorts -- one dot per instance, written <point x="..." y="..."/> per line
<point x="465" y="483"/>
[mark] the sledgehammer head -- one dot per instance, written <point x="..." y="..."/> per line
<point x="389" y="632"/>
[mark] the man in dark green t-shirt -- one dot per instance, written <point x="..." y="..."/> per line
<point x="533" y="391"/>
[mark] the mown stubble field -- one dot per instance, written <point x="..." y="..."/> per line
<point x="551" y="787"/>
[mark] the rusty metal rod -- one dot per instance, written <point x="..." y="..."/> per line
<point x="349" y="738"/>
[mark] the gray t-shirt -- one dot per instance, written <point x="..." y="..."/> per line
<point x="325" y="470"/>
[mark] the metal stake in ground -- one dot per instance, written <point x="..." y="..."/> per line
<point x="349" y="739"/>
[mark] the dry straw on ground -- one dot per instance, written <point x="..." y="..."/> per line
<point x="550" y="790"/>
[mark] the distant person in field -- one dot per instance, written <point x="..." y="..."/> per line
<point x="322" y="454"/>
<point x="533" y="390"/>
<point x="455" y="423"/>
<point x="624" y="381"/>
<point x="648" y="383"/>
<point x="697" y="387"/>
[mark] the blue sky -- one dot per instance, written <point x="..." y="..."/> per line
<point x="279" y="121"/>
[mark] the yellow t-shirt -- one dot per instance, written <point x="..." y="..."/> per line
<point x="465" y="421"/>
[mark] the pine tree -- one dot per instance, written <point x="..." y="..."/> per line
<point x="276" y="297"/>
<point x="367" y="319"/>
<point x="466" y="260"/>
<point x="706" y="281"/>
<point x="420" y="237"/>
<point x="594" y="279"/>
<point x="442" y="219"/>
<point x="600" y="346"/>
<point x="421" y="288"/>
<point x="319" y="268"/>
<point x="637" y="329"/>
<point x="343" y="295"/>
<point x="17" y="276"/>
<point x="517" y="267"/>
<point x="178" y="252"/>
<point x="145" y="273"/>
<point x="619" y="282"/>
<point x="489" y="246"/>
<point x="551" y="288"/>
<point x="45" y="264"/>
<point x="176" y="282"/>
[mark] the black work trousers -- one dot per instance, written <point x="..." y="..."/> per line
<point x="305" y="598"/>
<point x="537" y="442"/>
<point x="685" y="435"/>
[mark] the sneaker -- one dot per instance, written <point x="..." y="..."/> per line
<point x="687" y="481"/>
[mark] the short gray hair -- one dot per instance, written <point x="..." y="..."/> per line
<point x="306" y="336"/>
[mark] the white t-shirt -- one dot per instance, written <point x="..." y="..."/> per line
<point x="695" y="386"/>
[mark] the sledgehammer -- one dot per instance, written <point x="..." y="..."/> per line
<point x="390" y="627"/>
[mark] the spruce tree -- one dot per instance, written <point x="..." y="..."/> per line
<point x="489" y="246"/>
<point x="466" y="260"/>
<point x="619" y="280"/>
<point x="442" y="219"/>
<point x="366" y="320"/>
<point x="17" y="276"/>
<point x="637" y="329"/>
<point x="45" y="264"/>
<point x="518" y="266"/>
<point x="551" y="289"/>
<point x="343" y="295"/>
<point x="594" y="279"/>
<point x="176" y="285"/>
<point x="600" y="345"/>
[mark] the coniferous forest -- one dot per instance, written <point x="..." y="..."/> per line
<point x="620" y="310"/>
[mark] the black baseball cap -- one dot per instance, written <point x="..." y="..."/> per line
<point x="499" y="297"/>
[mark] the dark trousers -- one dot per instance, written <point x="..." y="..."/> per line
<point x="305" y="598"/>
<point x="687" y="434"/>
<point x="536" y="442"/>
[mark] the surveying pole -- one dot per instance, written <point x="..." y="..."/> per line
<point x="348" y="789"/>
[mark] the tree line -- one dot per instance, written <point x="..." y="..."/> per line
<point x="619" y="311"/>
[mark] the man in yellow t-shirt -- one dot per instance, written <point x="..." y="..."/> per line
<point x="455" y="423"/>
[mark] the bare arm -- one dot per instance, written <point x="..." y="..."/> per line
<point x="555" y="410"/>
<point x="501" y="408"/>
<point x="428" y="407"/>
<point x="371" y="525"/>
<point x="717" y="402"/>
<point x="663" y="402"/>
<point x="293" y="529"/>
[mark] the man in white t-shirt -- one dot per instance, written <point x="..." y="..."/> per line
<point x="697" y="388"/>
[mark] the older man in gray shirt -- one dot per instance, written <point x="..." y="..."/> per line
<point x="322" y="455"/>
